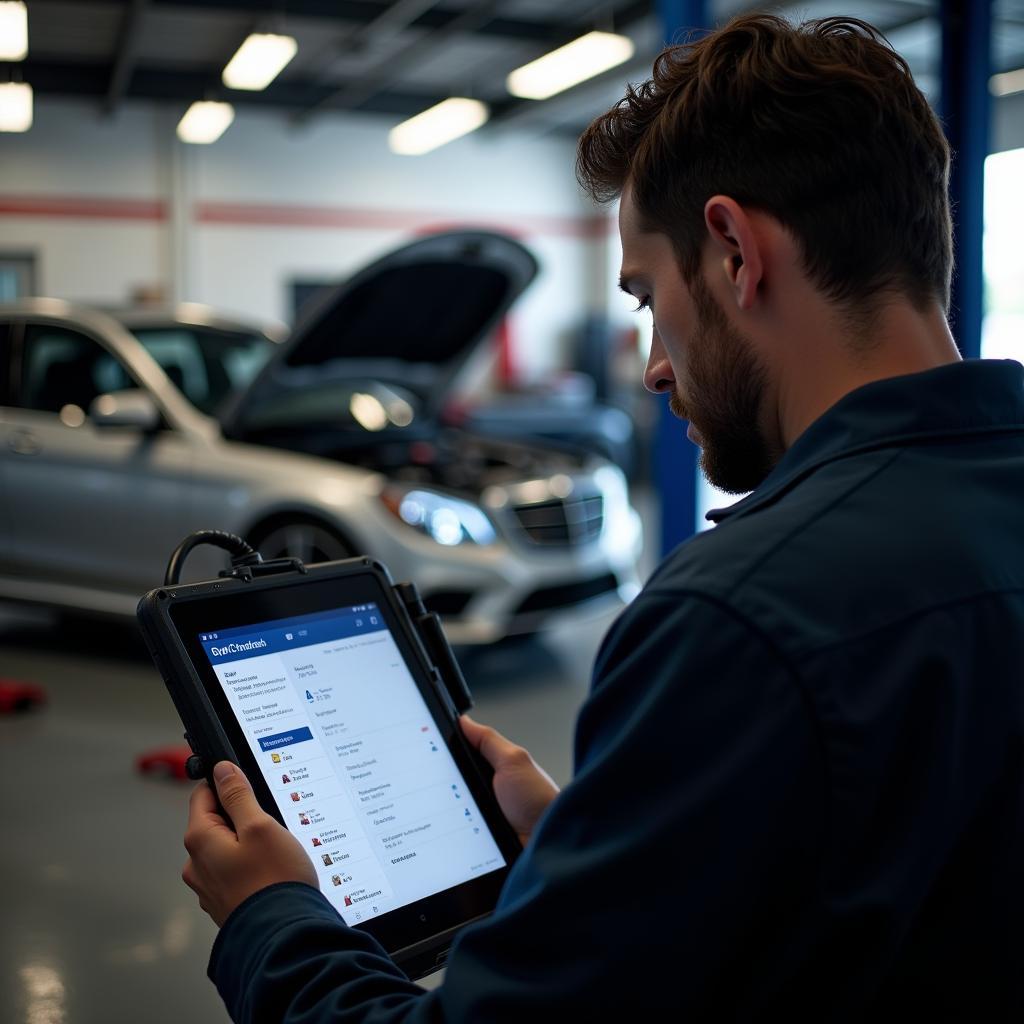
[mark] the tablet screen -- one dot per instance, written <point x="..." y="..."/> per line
<point x="352" y="757"/>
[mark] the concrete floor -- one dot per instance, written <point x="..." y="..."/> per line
<point x="97" y="926"/>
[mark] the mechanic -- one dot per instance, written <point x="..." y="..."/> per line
<point x="799" y="775"/>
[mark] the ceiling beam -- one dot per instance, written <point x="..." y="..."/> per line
<point x="167" y="85"/>
<point x="473" y="19"/>
<point x="364" y="12"/>
<point x="376" y="79"/>
<point x="125" y="54"/>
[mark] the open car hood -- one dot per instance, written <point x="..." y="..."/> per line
<point x="411" y="318"/>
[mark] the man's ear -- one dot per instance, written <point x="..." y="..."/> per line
<point x="736" y="248"/>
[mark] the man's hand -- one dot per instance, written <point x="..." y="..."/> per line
<point x="524" y="790"/>
<point x="226" y="866"/>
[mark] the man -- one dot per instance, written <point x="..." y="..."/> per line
<point x="799" y="776"/>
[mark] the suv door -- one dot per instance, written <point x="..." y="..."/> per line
<point x="97" y="507"/>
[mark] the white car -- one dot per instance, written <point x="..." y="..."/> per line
<point x="120" y="434"/>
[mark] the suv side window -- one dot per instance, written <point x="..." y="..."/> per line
<point x="61" y="368"/>
<point x="6" y="354"/>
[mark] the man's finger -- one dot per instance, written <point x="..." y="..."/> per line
<point x="203" y="812"/>
<point x="494" y="747"/>
<point x="236" y="795"/>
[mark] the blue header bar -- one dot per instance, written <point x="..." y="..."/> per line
<point x="285" y="739"/>
<point x="287" y="634"/>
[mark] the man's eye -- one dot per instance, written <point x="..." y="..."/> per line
<point x="642" y="304"/>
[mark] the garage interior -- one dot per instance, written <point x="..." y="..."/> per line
<point x="105" y="209"/>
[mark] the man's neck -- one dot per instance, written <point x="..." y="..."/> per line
<point x="901" y="340"/>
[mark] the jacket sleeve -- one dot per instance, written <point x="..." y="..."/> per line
<point x="690" y="831"/>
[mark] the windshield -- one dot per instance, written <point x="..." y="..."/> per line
<point x="362" y="406"/>
<point x="206" y="364"/>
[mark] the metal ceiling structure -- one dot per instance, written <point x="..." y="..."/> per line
<point x="397" y="57"/>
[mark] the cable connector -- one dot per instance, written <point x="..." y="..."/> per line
<point x="246" y="561"/>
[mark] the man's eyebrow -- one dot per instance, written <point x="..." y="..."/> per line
<point x="624" y="283"/>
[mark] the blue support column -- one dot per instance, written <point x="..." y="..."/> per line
<point x="675" y="458"/>
<point x="965" y="108"/>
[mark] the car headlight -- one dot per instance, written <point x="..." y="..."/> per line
<point x="446" y="520"/>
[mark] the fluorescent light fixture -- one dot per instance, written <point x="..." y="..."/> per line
<point x="438" y="125"/>
<point x="13" y="30"/>
<point x="1007" y="83"/>
<point x="569" y="65"/>
<point x="15" y="107"/>
<point x="205" y="122"/>
<point x="258" y="61"/>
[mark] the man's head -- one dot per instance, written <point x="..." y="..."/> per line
<point x="758" y="151"/>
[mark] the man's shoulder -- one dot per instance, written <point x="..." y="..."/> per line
<point x="785" y="543"/>
<point x="862" y="542"/>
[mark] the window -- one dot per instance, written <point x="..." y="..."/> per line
<point x="17" y="276"/>
<point x="64" y="371"/>
<point x="1002" y="334"/>
<point x="205" y="363"/>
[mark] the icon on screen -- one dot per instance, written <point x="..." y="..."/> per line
<point x="289" y="636"/>
<point x="295" y="797"/>
<point x="316" y="841"/>
<point x="336" y="879"/>
<point x="327" y="860"/>
<point x="373" y="621"/>
<point x="276" y="758"/>
<point x="286" y="779"/>
<point x="348" y="901"/>
<point x="304" y="818"/>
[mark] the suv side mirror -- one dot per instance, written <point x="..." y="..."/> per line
<point x="130" y="408"/>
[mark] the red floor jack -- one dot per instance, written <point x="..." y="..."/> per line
<point x="17" y="696"/>
<point x="169" y="761"/>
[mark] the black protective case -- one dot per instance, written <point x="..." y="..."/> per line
<point x="419" y="941"/>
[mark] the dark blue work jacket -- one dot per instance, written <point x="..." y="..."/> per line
<point x="799" y="776"/>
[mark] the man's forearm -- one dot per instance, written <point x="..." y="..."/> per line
<point x="285" y="953"/>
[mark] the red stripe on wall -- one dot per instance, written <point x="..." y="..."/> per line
<point x="90" y="207"/>
<point x="298" y="216"/>
<point x="343" y="217"/>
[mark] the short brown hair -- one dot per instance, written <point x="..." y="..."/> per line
<point x="819" y="125"/>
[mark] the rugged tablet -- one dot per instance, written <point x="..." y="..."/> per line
<point x="341" y="709"/>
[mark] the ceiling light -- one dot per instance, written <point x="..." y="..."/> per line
<point x="438" y="125"/>
<point x="205" y="122"/>
<point x="15" y="107"/>
<point x="569" y="65"/>
<point x="13" y="30"/>
<point x="1007" y="83"/>
<point x="259" y="61"/>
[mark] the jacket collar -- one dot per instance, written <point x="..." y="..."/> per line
<point x="970" y="397"/>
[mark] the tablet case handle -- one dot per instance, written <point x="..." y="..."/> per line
<point x="428" y="625"/>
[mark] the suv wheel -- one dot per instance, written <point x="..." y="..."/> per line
<point x="301" y="538"/>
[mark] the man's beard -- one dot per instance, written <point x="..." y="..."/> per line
<point x="723" y="396"/>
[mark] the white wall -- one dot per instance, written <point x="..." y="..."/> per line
<point x="113" y="205"/>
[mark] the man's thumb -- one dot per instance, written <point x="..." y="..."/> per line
<point x="235" y="793"/>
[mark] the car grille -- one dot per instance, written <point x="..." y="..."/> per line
<point x="563" y="522"/>
<point x="566" y="594"/>
<point x="448" y="602"/>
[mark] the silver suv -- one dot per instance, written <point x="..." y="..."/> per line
<point x="119" y="434"/>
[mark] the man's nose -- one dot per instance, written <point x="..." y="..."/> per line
<point x="658" y="376"/>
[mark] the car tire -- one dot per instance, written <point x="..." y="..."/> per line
<point x="305" y="539"/>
